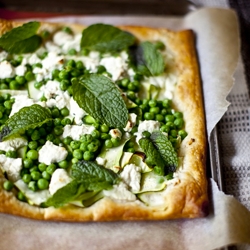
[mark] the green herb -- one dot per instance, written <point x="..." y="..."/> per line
<point x="94" y="177"/>
<point x="65" y="194"/>
<point x="100" y="98"/>
<point x="106" y="38"/>
<point x="160" y="152"/>
<point x="26" y="118"/>
<point x="22" y="39"/>
<point x="148" y="60"/>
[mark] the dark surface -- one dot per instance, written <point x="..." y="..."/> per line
<point x="116" y="7"/>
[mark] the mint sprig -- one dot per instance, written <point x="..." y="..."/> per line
<point x="106" y="38"/>
<point x="148" y="60"/>
<point x="22" y="39"/>
<point x="100" y="98"/>
<point x="26" y="118"/>
<point x="93" y="176"/>
<point x="160" y="152"/>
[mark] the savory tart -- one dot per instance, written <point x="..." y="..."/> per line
<point x="100" y="123"/>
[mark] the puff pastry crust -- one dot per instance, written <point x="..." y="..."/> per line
<point x="185" y="198"/>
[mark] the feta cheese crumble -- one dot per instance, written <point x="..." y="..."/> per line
<point x="75" y="131"/>
<point x="6" y="70"/>
<point x="50" y="153"/>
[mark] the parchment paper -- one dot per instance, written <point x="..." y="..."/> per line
<point x="228" y="222"/>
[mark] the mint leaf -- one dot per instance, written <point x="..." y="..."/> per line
<point x="106" y="38"/>
<point x="153" y="155"/>
<point x="147" y="59"/>
<point x="64" y="195"/>
<point x="166" y="150"/>
<point x="100" y="98"/>
<point x="26" y="118"/>
<point x="22" y="39"/>
<point x="160" y="152"/>
<point x="93" y="177"/>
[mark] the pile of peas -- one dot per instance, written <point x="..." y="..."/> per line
<point x="6" y="103"/>
<point x="17" y="82"/>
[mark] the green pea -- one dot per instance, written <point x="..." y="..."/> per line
<point x="21" y="196"/>
<point x="160" y="45"/>
<point x="78" y="154"/>
<point x="64" y="163"/>
<point x="35" y="135"/>
<point x="178" y="114"/>
<point x="42" y="167"/>
<point x="27" y="163"/>
<point x="46" y="175"/>
<point x="43" y="99"/>
<point x="51" y="168"/>
<point x="8" y="185"/>
<point x="74" y="160"/>
<point x="105" y="136"/>
<point x="84" y="52"/>
<point x="29" y="76"/>
<point x="67" y="140"/>
<point x="95" y="134"/>
<point x="79" y="65"/>
<point x="55" y="73"/>
<point x="169" y="118"/>
<point x="33" y="186"/>
<point x="173" y="133"/>
<point x="86" y="138"/>
<point x="8" y="104"/>
<point x="34" y="168"/>
<point x="159" y="118"/>
<point x="66" y="121"/>
<point x="71" y="63"/>
<point x="32" y="154"/>
<point x="75" y="144"/>
<point x="45" y="34"/>
<point x="152" y="103"/>
<point x="14" y="85"/>
<point x="50" y="137"/>
<point x="131" y="86"/>
<point x="3" y="86"/>
<point x="179" y="123"/>
<point x="35" y="175"/>
<point x="42" y="131"/>
<point x="155" y="110"/>
<point x="182" y="134"/>
<point x="92" y="147"/>
<point x="64" y="111"/>
<point x="115" y="142"/>
<point x="104" y="128"/>
<point x="55" y="112"/>
<point x="75" y="72"/>
<point x="41" y="142"/>
<point x="131" y="95"/>
<point x="33" y="144"/>
<point x="88" y="119"/>
<point x="20" y="79"/>
<point x="125" y="82"/>
<point x="72" y="52"/>
<point x="42" y="184"/>
<point x="164" y="111"/>
<point x="108" y="143"/>
<point x="138" y="77"/>
<point x="57" y="141"/>
<point x="63" y="74"/>
<point x="146" y="134"/>
<point x="87" y="156"/>
<point x="148" y="116"/>
<point x="64" y="84"/>
<point x="26" y="178"/>
<point x="67" y="30"/>
<point x="165" y="128"/>
<point x="58" y="130"/>
<point x="166" y="103"/>
<point x="2" y="152"/>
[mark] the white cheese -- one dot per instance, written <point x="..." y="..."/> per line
<point x="20" y="70"/>
<point x="76" y="112"/>
<point x="12" y="166"/>
<point x="61" y="38"/>
<point x="6" y="70"/>
<point x="51" y="89"/>
<point x="115" y="133"/>
<point x="37" y="197"/>
<point x="120" y="192"/>
<point x="131" y="175"/>
<point x="51" y="47"/>
<point x="50" y="153"/>
<point x="72" y="44"/>
<point x="149" y="126"/>
<point x="75" y="131"/>
<point x="61" y="100"/>
<point x="20" y="102"/>
<point x="101" y="161"/>
<point x="131" y="122"/>
<point x="116" y="66"/>
<point x="11" y="145"/>
<point x="34" y="59"/>
<point x="3" y="55"/>
<point x="59" y="179"/>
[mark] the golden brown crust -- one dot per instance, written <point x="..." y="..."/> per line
<point x="185" y="198"/>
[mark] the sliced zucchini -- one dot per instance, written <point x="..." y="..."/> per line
<point x="33" y="92"/>
<point x="137" y="159"/>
